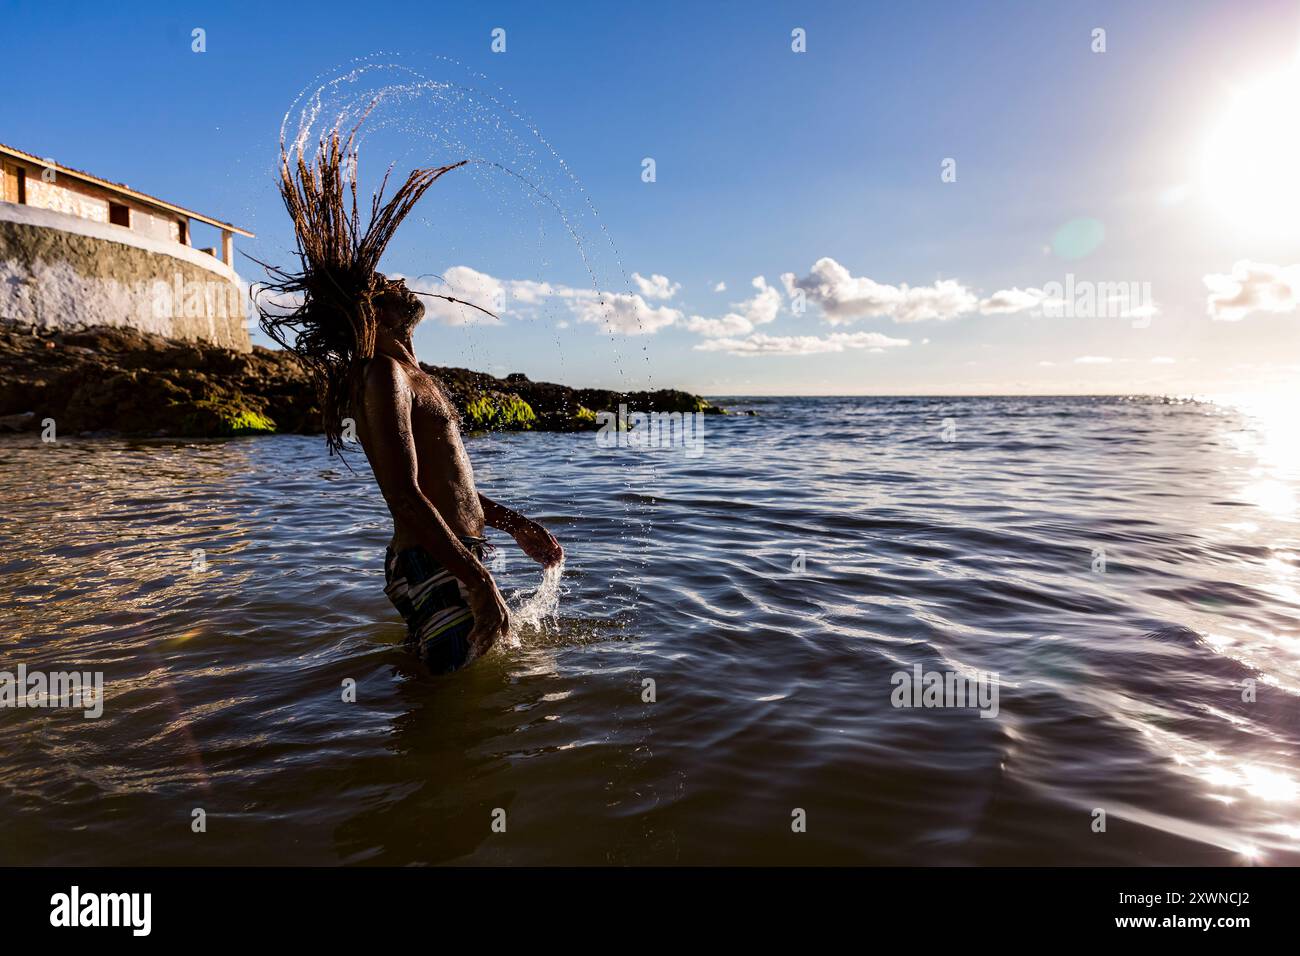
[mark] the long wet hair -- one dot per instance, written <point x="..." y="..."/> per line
<point x="336" y="286"/>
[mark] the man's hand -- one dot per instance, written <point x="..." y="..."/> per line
<point x="538" y="543"/>
<point x="491" y="618"/>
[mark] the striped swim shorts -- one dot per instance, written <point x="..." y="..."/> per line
<point x="433" y="603"/>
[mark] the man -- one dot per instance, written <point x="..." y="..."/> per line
<point x="351" y="328"/>
<point x="410" y="434"/>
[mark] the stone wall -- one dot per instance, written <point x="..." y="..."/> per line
<point x="59" y="271"/>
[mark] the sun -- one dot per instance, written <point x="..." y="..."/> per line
<point x="1251" y="160"/>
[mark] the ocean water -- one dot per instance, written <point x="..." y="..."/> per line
<point x="1127" y="568"/>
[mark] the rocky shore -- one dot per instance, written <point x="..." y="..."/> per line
<point x="118" y="380"/>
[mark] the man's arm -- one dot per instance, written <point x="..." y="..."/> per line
<point x="499" y="516"/>
<point x="538" y="543"/>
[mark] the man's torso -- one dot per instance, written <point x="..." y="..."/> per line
<point x="444" y="474"/>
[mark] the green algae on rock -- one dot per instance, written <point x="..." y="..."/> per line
<point x="495" y="411"/>
<point x="224" y="419"/>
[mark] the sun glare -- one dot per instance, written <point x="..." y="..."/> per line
<point x="1249" y="162"/>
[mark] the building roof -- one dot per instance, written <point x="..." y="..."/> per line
<point x="121" y="189"/>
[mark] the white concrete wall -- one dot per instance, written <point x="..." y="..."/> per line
<point x="61" y="270"/>
<point x="11" y="212"/>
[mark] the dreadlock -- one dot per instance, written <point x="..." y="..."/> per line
<point x="332" y="329"/>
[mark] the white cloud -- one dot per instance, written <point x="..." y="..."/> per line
<point x="720" y="287"/>
<point x="729" y="324"/>
<point x="1164" y="360"/>
<point x="762" y="344"/>
<point x="1252" y="287"/>
<point x="276" y="303"/>
<point x="1007" y="301"/>
<point x="528" y="292"/>
<point x="657" y="286"/>
<point x="462" y="282"/>
<point x="764" y="305"/>
<point x="626" y="313"/>
<point x="846" y="298"/>
<point x="760" y="309"/>
<point x="1126" y="304"/>
<point x="1093" y="360"/>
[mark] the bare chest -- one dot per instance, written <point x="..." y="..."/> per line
<point x="428" y="401"/>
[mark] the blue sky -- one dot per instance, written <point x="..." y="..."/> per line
<point x="823" y="167"/>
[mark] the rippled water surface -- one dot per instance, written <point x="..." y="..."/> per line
<point x="1121" y="688"/>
